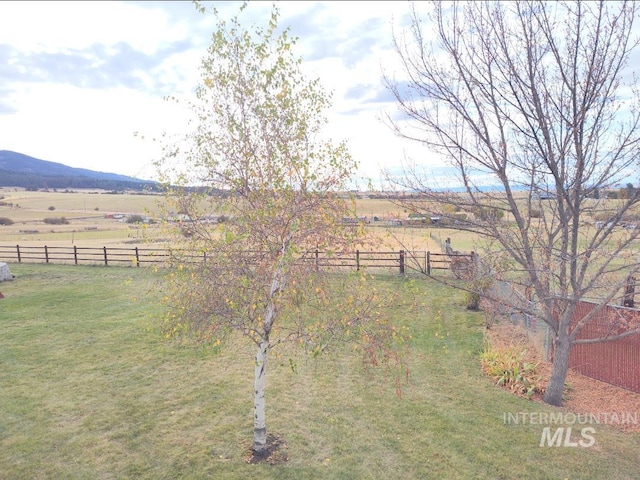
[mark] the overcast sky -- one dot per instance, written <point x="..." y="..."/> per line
<point x="80" y="78"/>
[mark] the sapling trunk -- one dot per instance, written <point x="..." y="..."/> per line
<point x="259" y="419"/>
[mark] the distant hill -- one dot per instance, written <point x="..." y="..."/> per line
<point x="19" y="170"/>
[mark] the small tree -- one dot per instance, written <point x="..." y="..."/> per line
<point x="135" y="218"/>
<point x="256" y="160"/>
<point x="56" y="221"/>
<point x="532" y="98"/>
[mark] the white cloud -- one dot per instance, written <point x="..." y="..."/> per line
<point x="82" y="77"/>
<point x="50" y="26"/>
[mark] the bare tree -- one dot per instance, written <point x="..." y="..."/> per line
<point x="260" y="194"/>
<point x="534" y="107"/>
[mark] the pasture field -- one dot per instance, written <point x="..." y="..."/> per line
<point x="90" y="225"/>
<point x="89" y="389"/>
<point x="90" y="216"/>
<point x="80" y="202"/>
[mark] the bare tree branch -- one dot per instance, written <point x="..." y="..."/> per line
<point x="532" y="105"/>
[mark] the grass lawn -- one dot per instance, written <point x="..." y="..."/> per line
<point x="89" y="389"/>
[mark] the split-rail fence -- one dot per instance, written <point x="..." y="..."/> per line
<point x="401" y="261"/>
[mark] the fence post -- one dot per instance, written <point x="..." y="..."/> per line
<point x="629" y="292"/>
<point x="474" y="265"/>
<point x="401" y="262"/>
<point x="137" y="258"/>
<point x="75" y="254"/>
<point x="428" y="269"/>
<point x="46" y="254"/>
<point x="104" y="249"/>
<point x="357" y="260"/>
<point x="18" y="251"/>
<point x="317" y="260"/>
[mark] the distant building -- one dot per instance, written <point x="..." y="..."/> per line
<point x="417" y="219"/>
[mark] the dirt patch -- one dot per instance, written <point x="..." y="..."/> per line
<point x="583" y="394"/>
<point x="276" y="453"/>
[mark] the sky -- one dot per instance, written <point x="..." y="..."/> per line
<point x="83" y="83"/>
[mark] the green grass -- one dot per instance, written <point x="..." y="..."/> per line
<point x="89" y="389"/>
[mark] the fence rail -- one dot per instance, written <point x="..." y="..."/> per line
<point x="82" y="255"/>
<point x="400" y="261"/>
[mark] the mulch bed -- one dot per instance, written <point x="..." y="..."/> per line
<point x="276" y="453"/>
<point x="584" y="394"/>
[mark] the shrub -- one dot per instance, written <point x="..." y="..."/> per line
<point x="606" y="216"/>
<point x="52" y="208"/>
<point x="603" y="216"/>
<point x="5" y="221"/>
<point x="472" y="300"/>
<point x="460" y="217"/>
<point x="135" y="219"/>
<point x="477" y="288"/>
<point x="450" y="209"/>
<point x="489" y="214"/>
<point x="56" y="221"/>
<point x="509" y="369"/>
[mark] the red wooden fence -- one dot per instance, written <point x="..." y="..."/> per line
<point x="616" y="362"/>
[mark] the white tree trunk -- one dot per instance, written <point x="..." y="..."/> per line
<point x="260" y="377"/>
<point x="259" y="411"/>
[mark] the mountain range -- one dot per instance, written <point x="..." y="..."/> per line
<point x="20" y="170"/>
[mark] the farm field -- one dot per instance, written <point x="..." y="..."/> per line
<point x="91" y="223"/>
<point x="90" y="215"/>
<point x="90" y="389"/>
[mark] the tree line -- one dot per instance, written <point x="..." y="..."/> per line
<point x="34" y="182"/>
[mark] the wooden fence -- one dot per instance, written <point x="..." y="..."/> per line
<point x="616" y="362"/>
<point x="395" y="261"/>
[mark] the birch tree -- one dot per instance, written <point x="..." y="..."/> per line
<point x="534" y="108"/>
<point x="260" y="194"/>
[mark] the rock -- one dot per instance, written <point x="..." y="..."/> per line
<point x="5" y="273"/>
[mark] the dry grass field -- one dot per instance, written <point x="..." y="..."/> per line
<point x="92" y="221"/>
<point x="90" y="215"/>
<point x="95" y="218"/>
